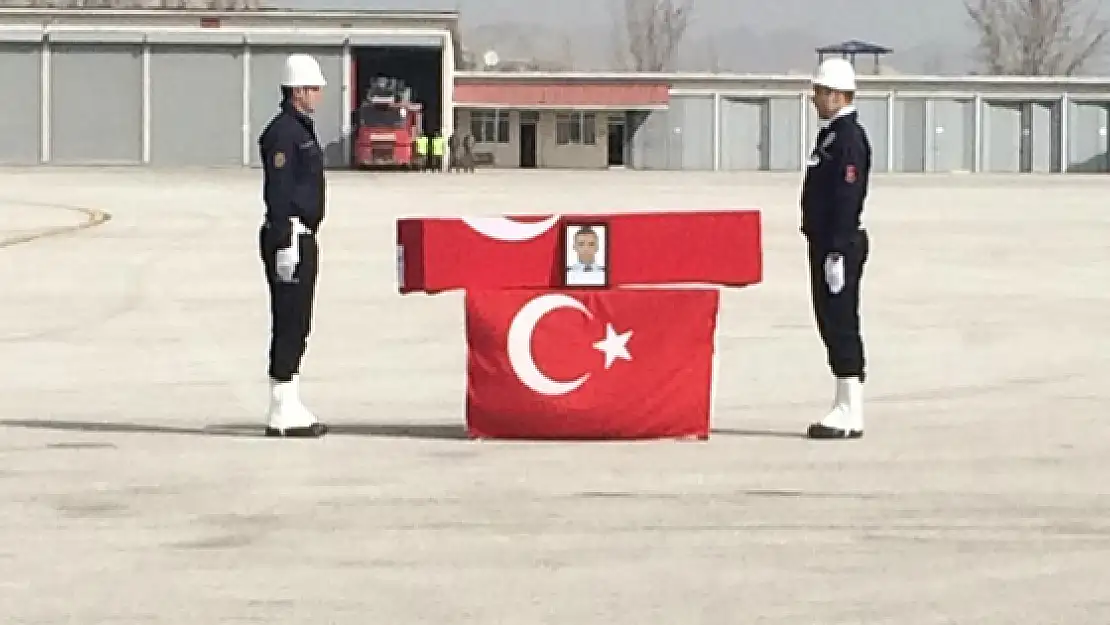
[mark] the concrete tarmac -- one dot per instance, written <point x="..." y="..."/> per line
<point x="134" y="488"/>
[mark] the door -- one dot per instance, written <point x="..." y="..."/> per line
<point x="616" y="143"/>
<point x="1044" y="137"/>
<point x="1088" y="130"/>
<point x="528" y="145"/>
<point x="1002" y="137"/>
<point x="953" y="132"/>
<point x="744" y="135"/>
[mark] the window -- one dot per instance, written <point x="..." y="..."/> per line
<point x="489" y="126"/>
<point x="374" y="117"/>
<point x="576" y="128"/>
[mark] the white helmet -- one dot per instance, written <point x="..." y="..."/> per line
<point x="301" y="70"/>
<point x="836" y="74"/>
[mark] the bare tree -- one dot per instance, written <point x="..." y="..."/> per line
<point x="1037" y="37"/>
<point x="650" y="32"/>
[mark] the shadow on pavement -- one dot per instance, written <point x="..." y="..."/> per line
<point x="756" y="433"/>
<point x="429" y="431"/>
<point x="432" y="431"/>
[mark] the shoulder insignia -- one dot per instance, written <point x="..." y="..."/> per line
<point x="850" y="174"/>
<point x="279" y="159"/>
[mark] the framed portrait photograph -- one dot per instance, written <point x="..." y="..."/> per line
<point x="586" y="254"/>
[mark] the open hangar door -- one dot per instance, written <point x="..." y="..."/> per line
<point x="418" y="62"/>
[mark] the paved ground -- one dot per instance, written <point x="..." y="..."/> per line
<point x="975" y="497"/>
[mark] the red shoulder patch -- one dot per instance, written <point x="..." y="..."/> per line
<point x="850" y="174"/>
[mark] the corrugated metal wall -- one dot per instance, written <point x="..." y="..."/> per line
<point x="21" y="102"/>
<point x="680" y="137"/>
<point x="196" y="105"/>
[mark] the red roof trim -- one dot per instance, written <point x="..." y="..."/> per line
<point x="550" y="94"/>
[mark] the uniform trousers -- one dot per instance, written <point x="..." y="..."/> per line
<point x="291" y="303"/>
<point x="838" y="319"/>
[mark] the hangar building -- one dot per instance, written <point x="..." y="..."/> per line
<point x="186" y="88"/>
<point x="173" y="88"/>
<point x="745" y="122"/>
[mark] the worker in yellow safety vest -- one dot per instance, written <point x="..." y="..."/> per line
<point x="439" y="146"/>
<point x="422" y="152"/>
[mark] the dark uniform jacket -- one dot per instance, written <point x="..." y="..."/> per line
<point x="836" y="184"/>
<point x="293" y="172"/>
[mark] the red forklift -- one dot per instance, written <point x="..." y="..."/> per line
<point x="388" y="123"/>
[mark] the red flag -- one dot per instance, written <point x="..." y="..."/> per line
<point x="606" y="364"/>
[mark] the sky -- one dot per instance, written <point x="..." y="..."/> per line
<point x="930" y="36"/>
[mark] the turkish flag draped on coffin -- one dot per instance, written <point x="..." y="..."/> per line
<point x="721" y="247"/>
<point x="606" y="364"/>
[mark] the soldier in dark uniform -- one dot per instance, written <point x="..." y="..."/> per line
<point x="832" y="204"/>
<point x="293" y="190"/>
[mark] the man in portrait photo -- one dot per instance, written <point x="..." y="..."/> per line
<point x="589" y="270"/>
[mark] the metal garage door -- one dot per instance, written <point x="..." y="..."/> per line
<point x="1088" y="130"/>
<point x="952" y="135"/>
<point x="97" y="103"/>
<point x="196" y="105"/>
<point x="744" y="134"/>
<point x="267" y="64"/>
<point x="909" y="134"/>
<point x="874" y="116"/>
<point x="1002" y="136"/>
<point x="21" y="121"/>
<point x="785" y="137"/>
<point x="1042" y="149"/>
<point x="690" y="141"/>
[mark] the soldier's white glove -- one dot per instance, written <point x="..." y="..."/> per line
<point x="834" y="273"/>
<point x="289" y="257"/>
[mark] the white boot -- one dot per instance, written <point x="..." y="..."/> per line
<point x="287" y="416"/>
<point x="303" y="414"/>
<point x="845" y="417"/>
<point x="854" y="389"/>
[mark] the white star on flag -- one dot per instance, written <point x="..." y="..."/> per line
<point x="614" y="345"/>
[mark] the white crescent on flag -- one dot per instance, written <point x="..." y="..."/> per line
<point x="614" y="345"/>
<point x="520" y="344"/>
<point x="507" y="230"/>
